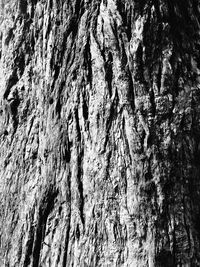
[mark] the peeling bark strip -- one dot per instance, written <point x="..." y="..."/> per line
<point x="100" y="156"/>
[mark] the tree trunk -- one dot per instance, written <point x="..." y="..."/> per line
<point x="100" y="133"/>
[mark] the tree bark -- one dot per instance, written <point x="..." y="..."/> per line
<point x="100" y="133"/>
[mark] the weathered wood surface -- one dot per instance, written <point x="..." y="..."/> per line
<point x="100" y="133"/>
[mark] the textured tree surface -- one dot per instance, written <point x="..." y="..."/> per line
<point x="100" y="133"/>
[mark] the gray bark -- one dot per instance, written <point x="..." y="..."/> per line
<point x="100" y="133"/>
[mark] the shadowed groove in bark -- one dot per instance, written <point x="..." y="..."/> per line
<point x="87" y="59"/>
<point x="80" y="168"/>
<point x="46" y="206"/>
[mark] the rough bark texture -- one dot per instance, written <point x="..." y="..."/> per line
<point x="100" y="133"/>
